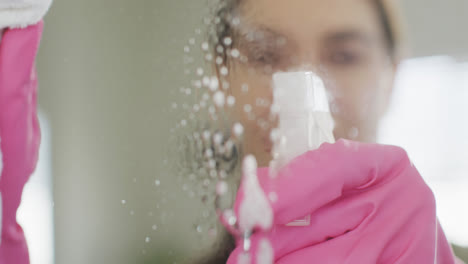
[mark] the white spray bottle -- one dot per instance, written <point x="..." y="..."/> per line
<point x="305" y="122"/>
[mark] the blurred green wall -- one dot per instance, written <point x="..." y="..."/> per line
<point x="106" y="71"/>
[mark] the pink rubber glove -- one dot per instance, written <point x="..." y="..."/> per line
<point x="368" y="204"/>
<point x="19" y="133"/>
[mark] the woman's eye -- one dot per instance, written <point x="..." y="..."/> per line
<point x="262" y="57"/>
<point x="265" y="58"/>
<point x="345" y="58"/>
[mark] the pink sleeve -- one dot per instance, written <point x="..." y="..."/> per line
<point x="19" y="133"/>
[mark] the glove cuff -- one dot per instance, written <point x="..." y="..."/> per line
<point x="22" y="13"/>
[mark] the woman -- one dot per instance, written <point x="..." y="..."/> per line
<point x="20" y="32"/>
<point x="355" y="46"/>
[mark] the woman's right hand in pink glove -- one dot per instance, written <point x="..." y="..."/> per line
<point x="368" y="204"/>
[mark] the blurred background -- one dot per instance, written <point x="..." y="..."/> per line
<point x="108" y="70"/>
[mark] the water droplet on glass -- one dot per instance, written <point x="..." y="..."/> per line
<point x="206" y="135"/>
<point x="212" y="164"/>
<point x="174" y="105"/>
<point x="353" y="133"/>
<point x="154" y="227"/>
<point x="124" y="202"/>
<point x="209" y="57"/>
<point x="196" y="108"/>
<point x="186" y="49"/>
<point x="224" y="71"/>
<point x="132" y="212"/>
<point x="217" y="20"/>
<point x="238" y="129"/>
<point x="236" y="21"/>
<point x="206" y="81"/>
<point x="227" y="41"/>
<point x="231" y="100"/>
<point x="214" y="83"/>
<point x="219" y="99"/>
<point x="208" y="153"/>
<point x="199" y="71"/>
<point x="183" y="122"/>
<point x="157" y="182"/>
<point x="235" y="53"/>
<point x="229" y="145"/>
<point x="283" y="141"/>
<point x="205" y="46"/>
<point x="230" y="217"/>
<point x="218" y="138"/>
<point x="274" y="135"/>
<point x="247" y="108"/>
<point x="221" y="188"/>
<point x="199" y="229"/>
<point x="219" y="49"/>
<point x="192" y="41"/>
<point x="245" y="88"/>
<point x="147" y="239"/>
<point x="219" y="60"/>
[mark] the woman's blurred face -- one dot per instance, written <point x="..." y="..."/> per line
<point x="342" y="41"/>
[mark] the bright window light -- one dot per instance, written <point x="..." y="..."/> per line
<point x="428" y="117"/>
<point x="35" y="214"/>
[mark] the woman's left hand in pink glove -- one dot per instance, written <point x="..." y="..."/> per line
<point x="19" y="133"/>
<point x="367" y="204"/>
